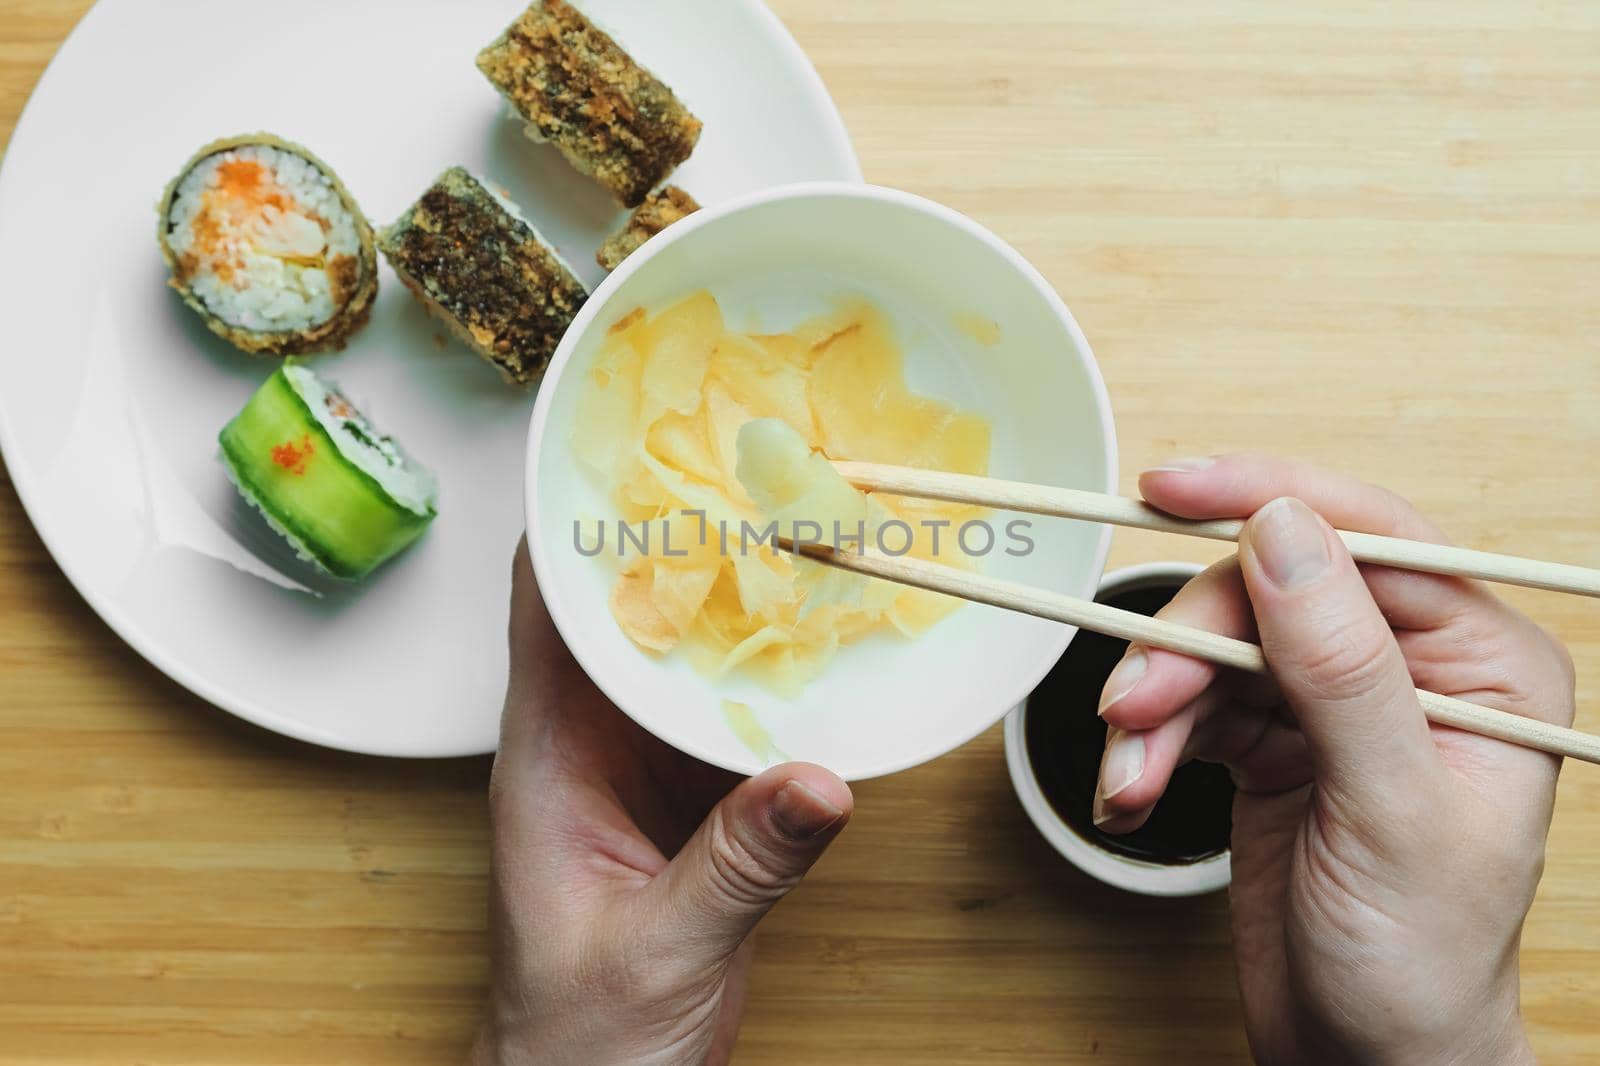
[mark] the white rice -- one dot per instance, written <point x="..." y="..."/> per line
<point x="273" y="264"/>
<point x="408" y="483"/>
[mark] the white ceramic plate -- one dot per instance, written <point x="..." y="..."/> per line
<point x="112" y="393"/>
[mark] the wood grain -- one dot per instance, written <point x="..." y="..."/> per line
<point x="1362" y="233"/>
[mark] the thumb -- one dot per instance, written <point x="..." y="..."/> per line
<point x="750" y="851"/>
<point x="1332" y="653"/>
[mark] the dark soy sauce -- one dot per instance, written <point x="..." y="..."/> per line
<point x="1066" y="738"/>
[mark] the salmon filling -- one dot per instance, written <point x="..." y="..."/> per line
<point x="262" y="238"/>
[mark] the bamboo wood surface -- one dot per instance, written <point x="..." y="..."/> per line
<point x="1361" y="233"/>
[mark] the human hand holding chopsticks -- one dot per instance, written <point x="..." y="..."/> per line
<point x="1407" y="553"/>
<point x="1382" y="869"/>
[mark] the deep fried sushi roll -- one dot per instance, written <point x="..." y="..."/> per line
<point x="472" y="258"/>
<point x="266" y="244"/>
<point x="660" y="210"/>
<point x="576" y="88"/>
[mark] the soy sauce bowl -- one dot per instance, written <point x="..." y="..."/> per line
<point x="1064" y="774"/>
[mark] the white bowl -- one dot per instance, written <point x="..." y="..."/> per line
<point x="773" y="260"/>
<point x="1121" y="871"/>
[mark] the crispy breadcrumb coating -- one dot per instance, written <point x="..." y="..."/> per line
<point x="578" y="89"/>
<point x="486" y="273"/>
<point x="660" y="210"/>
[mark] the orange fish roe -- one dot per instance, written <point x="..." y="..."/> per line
<point x="294" y="457"/>
<point x="232" y="209"/>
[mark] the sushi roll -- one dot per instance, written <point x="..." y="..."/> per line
<point x="660" y="210"/>
<point x="345" y="497"/>
<point x="472" y="259"/>
<point x="265" y="243"/>
<point x="576" y="88"/>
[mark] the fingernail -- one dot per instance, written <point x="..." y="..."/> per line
<point x="1124" y="764"/>
<point x="1124" y="678"/>
<point x="801" y="813"/>
<point x="1183" y="466"/>
<point x="1288" y="540"/>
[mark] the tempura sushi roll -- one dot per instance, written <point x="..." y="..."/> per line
<point x="659" y="210"/>
<point x="347" y="498"/>
<point x="266" y="244"/>
<point x="472" y="258"/>
<point x="576" y="88"/>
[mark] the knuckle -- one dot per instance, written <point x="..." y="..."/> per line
<point x="1533" y="869"/>
<point x="1251" y="458"/>
<point x="1518" y="856"/>
<point x="1567" y="675"/>
<point x="501" y="794"/>
<point x="1222" y="578"/>
<point x="1394" y="515"/>
<point x="1351" y="662"/>
<point x="1510" y="858"/>
<point x="1395" y="511"/>
<point x="601" y="970"/>
<point x="1537" y="667"/>
<point x="738" y="870"/>
<point x="1565" y="667"/>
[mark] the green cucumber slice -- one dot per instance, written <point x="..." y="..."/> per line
<point x="336" y="514"/>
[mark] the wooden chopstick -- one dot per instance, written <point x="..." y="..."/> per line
<point x="1185" y="640"/>
<point x="1121" y="511"/>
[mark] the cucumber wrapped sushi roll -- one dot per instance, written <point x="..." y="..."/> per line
<point x="266" y="244"/>
<point x="347" y="498"/>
